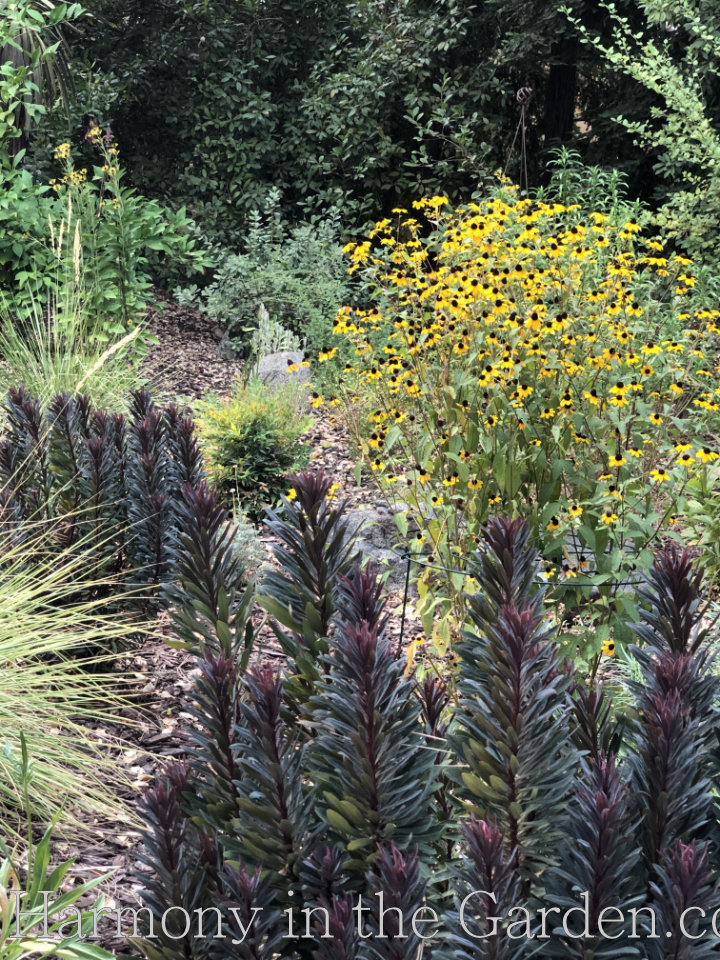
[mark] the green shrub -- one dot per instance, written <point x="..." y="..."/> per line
<point x="315" y="801"/>
<point x="297" y="273"/>
<point x="252" y="441"/>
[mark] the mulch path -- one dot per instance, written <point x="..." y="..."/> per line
<point x="183" y="363"/>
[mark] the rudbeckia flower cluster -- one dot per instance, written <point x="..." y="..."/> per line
<point x="535" y="359"/>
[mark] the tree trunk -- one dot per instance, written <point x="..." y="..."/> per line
<point x="560" y="92"/>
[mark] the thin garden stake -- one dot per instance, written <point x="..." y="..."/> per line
<point x="523" y="97"/>
<point x="408" y="557"/>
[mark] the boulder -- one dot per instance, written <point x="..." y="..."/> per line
<point x="274" y="368"/>
<point x="380" y="541"/>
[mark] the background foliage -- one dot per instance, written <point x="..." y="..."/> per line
<point x="353" y="106"/>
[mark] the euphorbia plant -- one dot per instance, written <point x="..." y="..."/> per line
<point x="315" y="551"/>
<point x="524" y="787"/>
<point x="122" y="489"/>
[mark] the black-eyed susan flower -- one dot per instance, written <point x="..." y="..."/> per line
<point x="659" y="476"/>
<point x="706" y="455"/>
<point x="617" y="460"/>
<point x="609" y="516"/>
<point x="608" y="648"/>
<point x="554" y="524"/>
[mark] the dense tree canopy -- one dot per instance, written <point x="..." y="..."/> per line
<point x="356" y="105"/>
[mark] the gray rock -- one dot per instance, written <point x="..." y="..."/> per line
<point x="380" y="542"/>
<point x="274" y="368"/>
